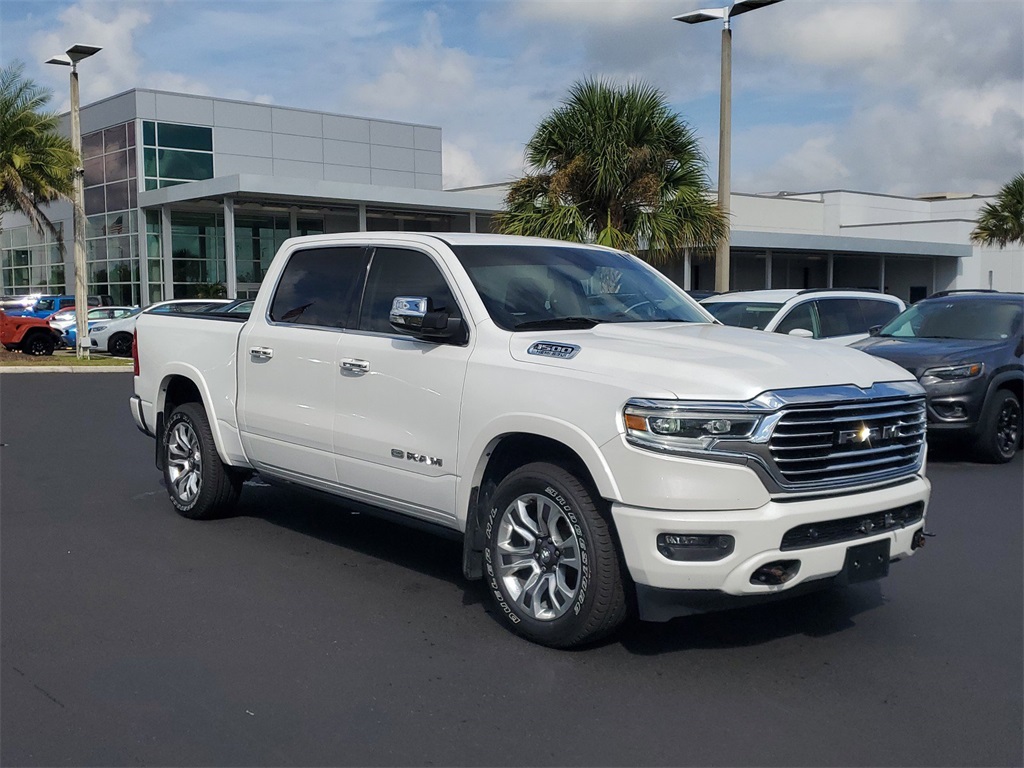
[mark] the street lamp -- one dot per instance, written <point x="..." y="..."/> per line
<point x="725" y="119"/>
<point x="70" y="58"/>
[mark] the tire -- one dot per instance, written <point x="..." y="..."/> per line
<point x="120" y="345"/>
<point x="38" y="344"/>
<point x="199" y="485"/>
<point x="1000" y="428"/>
<point x="550" y="562"/>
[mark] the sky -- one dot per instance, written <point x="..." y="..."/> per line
<point x="904" y="97"/>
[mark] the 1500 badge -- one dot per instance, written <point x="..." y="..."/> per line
<point x="417" y="457"/>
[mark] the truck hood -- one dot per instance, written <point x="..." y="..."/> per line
<point x="701" y="361"/>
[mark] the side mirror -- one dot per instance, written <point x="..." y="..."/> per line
<point x="874" y="329"/>
<point x="802" y="333"/>
<point x="415" y="316"/>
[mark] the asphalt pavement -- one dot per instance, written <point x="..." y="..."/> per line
<point x="301" y="633"/>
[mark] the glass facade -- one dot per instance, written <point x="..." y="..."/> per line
<point x="175" y="154"/>
<point x="197" y="252"/>
<point x="29" y="262"/>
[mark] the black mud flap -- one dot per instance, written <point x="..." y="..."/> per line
<point x="865" y="562"/>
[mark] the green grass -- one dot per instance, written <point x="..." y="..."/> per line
<point x="61" y="357"/>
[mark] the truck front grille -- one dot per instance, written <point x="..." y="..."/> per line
<point x="845" y="443"/>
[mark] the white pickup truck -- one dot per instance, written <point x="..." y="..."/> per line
<point x="598" y="441"/>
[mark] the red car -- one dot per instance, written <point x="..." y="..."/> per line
<point x="31" y="335"/>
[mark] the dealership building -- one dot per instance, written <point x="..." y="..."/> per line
<point x="183" y="192"/>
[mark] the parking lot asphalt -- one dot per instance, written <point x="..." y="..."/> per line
<point x="300" y="633"/>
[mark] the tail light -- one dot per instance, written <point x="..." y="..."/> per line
<point x="135" y="352"/>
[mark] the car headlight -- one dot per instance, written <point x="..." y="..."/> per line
<point x="668" y="425"/>
<point x="955" y="372"/>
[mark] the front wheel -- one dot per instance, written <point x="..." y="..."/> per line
<point x="120" y="345"/>
<point x="198" y="483"/>
<point x="39" y="345"/>
<point x="1000" y="428"/>
<point x="551" y="562"/>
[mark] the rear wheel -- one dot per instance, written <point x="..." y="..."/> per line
<point x="198" y="483"/>
<point x="1000" y="428"/>
<point x="38" y="344"/>
<point x="551" y="562"/>
<point x="120" y="344"/>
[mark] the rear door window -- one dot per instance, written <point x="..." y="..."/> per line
<point x="877" y="312"/>
<point x="320" y="287"/>
<point x="840" y="317"/>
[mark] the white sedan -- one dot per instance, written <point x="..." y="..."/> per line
<point x="116" y="336"/>
<point x="63" y="319"/>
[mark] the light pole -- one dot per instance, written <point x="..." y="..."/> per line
<point x="72" y="56"/>
<point x="725" y="117"/>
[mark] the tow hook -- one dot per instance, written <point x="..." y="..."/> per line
<point x="919" y="537"/>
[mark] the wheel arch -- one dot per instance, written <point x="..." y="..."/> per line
<point x="554" y="442"/>
<point x="186" y="385"/>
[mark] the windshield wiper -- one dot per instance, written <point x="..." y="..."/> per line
<point x="555" y="323"/>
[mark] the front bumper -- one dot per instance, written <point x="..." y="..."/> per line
<point x="758" y="535"/>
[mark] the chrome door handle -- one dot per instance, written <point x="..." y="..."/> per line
<point x="352" y="365"/>
<point x="263" y="353"/>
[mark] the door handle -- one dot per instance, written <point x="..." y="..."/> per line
<point x="263" y="353"/>
<point x="352" y="365"/>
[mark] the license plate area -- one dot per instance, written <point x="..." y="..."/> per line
<point x="866" y="562"/>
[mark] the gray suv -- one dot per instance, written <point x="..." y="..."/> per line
<point x="967" y="350"/>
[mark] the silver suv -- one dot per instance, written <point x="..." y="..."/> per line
<point x="836" y="315"/>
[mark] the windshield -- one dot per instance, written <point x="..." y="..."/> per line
<point x="536" y="287"/>
<point x="743" y="314"/>
<point x="984" y="320"/>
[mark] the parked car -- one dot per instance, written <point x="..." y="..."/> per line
<point x="63" y="319"/>
<point x="19" y="302"/>
<point x="834" y="315"/>
<point x="966" y="350"/>
<point x="116" y="336"/>
<point x="31" y="335"/>
<point x="47" y="305"/>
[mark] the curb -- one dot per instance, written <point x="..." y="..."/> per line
<point x="65" y="369"/>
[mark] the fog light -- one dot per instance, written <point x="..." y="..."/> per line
<point x="950" y="410"/>
<point x="778" y="572"/>
<point x="695" y="547"/>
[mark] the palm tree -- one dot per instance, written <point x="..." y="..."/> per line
<point x="616" y="166"/>
<point x="37" y="163"/>
<point x="1002" y="222"/>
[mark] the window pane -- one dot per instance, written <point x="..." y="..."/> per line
<point x="840" y="317"/>
<point x="319" y="286"/>
<point x="175" y="164"/>
<point x="130" y="130"/>
<point x="131" y="164"/>
<point x="148" y="133"/>
<point x="92" y="144"/>
<point x="798" y="317"/>
<point x="116" y="166"/>
<point x="400" y="272"/>
<point x="114" y="138"/>
<point x="149" y="162"/>
<point x="878" y="312"/>
<point x="94" y="200"/>
<point x="117" y="196"/>
<point x="93" y="171"/>
<point x="185" y="136"/>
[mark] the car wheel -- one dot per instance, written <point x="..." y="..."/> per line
<point x="198" y="483"/>
<point x="120" y="345"/>
<point x="551" y="563"/>
<point x="38" y="344"/>
<point x="1000" y="431"/>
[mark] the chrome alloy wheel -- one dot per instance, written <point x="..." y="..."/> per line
<point x="184" y="462"/>
<point x="539" y="561"/>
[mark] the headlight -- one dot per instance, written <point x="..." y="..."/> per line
<point x="675" y="426"/>
<point x="955" y="372"/>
